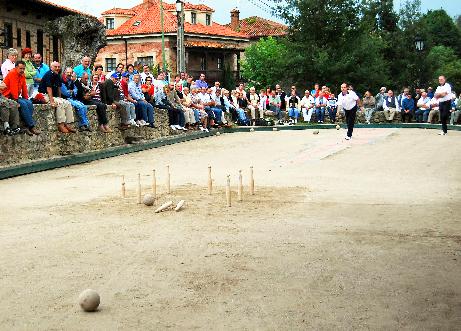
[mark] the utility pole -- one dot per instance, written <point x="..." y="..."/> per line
<point x="163" y="36"/>
<point x="181" y="49"/>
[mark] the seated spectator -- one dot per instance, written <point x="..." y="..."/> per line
<point x="320" y="106"/>
<point x="145" y="111"/>
<point x="148" y="89"/>
<point x="16" y="89"/>
<point x="41" y="69"/>
<point x="430" y="92"/>
<point x="162" y="102"/>
<point x="254" y="105"/>
<point x="113" y="96"/>
<point x="217" y="86"/>
<point x="424" y="107"/>
<point x="379" y="99"/>
<point x="9" y="114"/>
<point x="30" y="70"/>
<point x="434" y="110"/>
<point x="160" y="82"/>
<point x="189" y="81"/>
<point x="293" y="103"/>
<point x="69" y="91"/>
<point x="131" y="72"/>
<point x="369" y="104"/>
<point x="281" y="93"/>
<point x="83" y="67"/>
<point x="307" y="106"/>
<point x="408" y="107"/>
<point x="177" y="85"/>
<point x="390" y="106"/>
<point x="128" y="98"/>
<point x="99" y="70"/>
<point x="146" y="74"/>
<point x="274" y="105"/>
<point x="189" y="113"/>
<point x="175" y="101"/>
<point x="101" y="107"/>
<point x="332" y="106"/>
<point x="10" y="62"/>
<point x="218" y="106"/>
<point x="118" y="70"/>
<point x="455" y="110"/>
<point x="199" y="109"/>
<point x="263" y="101"/>
<point x="315" y="92"/>
<point x="50" y="86"/>
<point x="201" y="83"/>
<point x="237" y="102"/>
<point x="206" y="101"/>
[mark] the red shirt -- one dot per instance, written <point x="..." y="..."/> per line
<point x="150" y="90"/>
<point x="124" y="86"/>
<point x="15" y="85"/>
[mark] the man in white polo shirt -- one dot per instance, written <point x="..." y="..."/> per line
<point x="443" y="93"/>
<point x="349" y="101"/>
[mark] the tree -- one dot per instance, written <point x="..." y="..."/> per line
<point x="441" y="30"/>
<point x="265" y="63"/>
<point x="443" y="61"/>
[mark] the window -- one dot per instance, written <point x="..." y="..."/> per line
<point x="110" y="23"/>
<point x="8" y="35"/>
<point x="148" y="60"/>
<point x="55" y="48"/>
<point x="40" y="42"/>
<point x="220" y="63"/>
<point x="203" y="63"/>
<point x="208" y="19"/>
<point x="18" y="37"/>
<point x="28" y="43"/>
<point x="193" y="18"/>
<point x="111" y="64"/>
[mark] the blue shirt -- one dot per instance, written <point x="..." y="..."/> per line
<point x="135" y="91"/>
<point x="41" y="71"/>
<point x="201" y="83"/>
<point x="79" y="70"/>
<point x="408" y="104"/>
<point x="53" y="80"/>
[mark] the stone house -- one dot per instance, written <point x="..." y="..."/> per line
<point x="23" y="26"/>
<point x="134" y="36"/>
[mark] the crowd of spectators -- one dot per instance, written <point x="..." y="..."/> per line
<point x="191" y="104"/>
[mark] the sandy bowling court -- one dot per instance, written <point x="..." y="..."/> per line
<point x="361" y="234"/>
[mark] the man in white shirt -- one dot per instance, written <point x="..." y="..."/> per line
<point x="349" y="102"/>
<point x="146" y="73"/>
<point x="443" y="93"/>
<point x="307" y="106"/>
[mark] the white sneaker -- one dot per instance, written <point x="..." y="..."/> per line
<point x="178" y="127"/>
<point x="144" y="123"/>
<point x="133" y="122"/>
<point x="441" y="133"/>
<point x="173" y="127"/>
<point x="183" y="128"/>
<point x="138" y="123"/>
<point x="206" y="130"/>
<point x="202" y="128"/>
<point x="348" y="138"/>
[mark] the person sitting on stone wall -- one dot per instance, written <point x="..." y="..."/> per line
<point x="101" y="107"/>
<point x="434" y="110"/>
<point x="131" y="72"/>
<point x="307" y="106"/>
<point x="390" y="106"/>
<point x="113" y="96"/>
<point x="456" y="110"/>
<point x="128" y="98"/>
<point x="99" y="70"/>
<point x="175" y="102"/>
<point x="30" y="70"/>
<point x="10" y="62"/>
<point x="254" y="105"/>
<point x="83" y="67"/>
<point x="199" y="109"/>
<point x="69" y="91"/>
<point x="118" y="70"/>
<point x="320" y="107"/>
<point x="217" y="107"/>
<point x="424" y="107"/>
<point x="41" y="69"/>
<point x="161" y="102"/>
<point x="369" y="105"/>
<point x="190" y="113"/>
<point x="146" y="74"/>
<point x="50" y="87"/>
<point x="145" y="111"/>
<point x="16" y="89"/>
<point x="9" y="114"/>
<point x="148" y="89"/>
<point x="408" y="107"/>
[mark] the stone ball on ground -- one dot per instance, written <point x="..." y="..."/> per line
<point x="89" y="300"/>
<point x="148" y="200"/>
<point x="274" y="129"/>
<point x="316" y="132"/>
<point x="252" y="130"/>
<point x="338" y="127"/>
<point x="218" y="133"/>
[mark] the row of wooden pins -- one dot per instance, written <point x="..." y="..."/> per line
<point x="154" y="185"/>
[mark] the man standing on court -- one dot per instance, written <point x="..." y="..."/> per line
<point x="349" y="102"/>
<point x="443" y="93"/>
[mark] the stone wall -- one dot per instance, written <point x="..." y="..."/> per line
<point x="51" y="143"/>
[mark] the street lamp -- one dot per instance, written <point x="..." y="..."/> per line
<point x="181" y="52"/>
<point x="419" y="44"/>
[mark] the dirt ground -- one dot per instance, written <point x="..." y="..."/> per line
<point x="340" y="235"/>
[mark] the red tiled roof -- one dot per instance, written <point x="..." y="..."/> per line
<point x="119" y="11"/>
<point x="256" y="27"/>
<point x="147" y="21"/>
<point x="51" y="4"/>
<point x="188" y="6"/>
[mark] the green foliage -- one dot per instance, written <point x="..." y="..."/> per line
<point x="443" y="61"/>
<point x="265" y="62"/>
<point x="228" y="78"/>
<point x="441" y="30"/>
